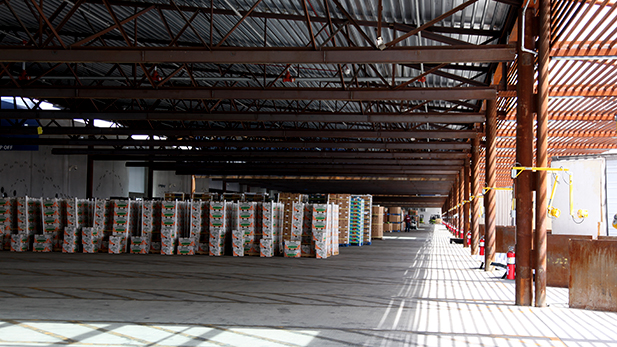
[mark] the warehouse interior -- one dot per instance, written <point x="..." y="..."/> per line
<point x="489" y="122"/>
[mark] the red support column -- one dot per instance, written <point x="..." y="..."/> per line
<point x="475" y="191"/>
<point x="461" y="195"/>
<point x="541" y="152"/>
<point x="524" y="157"/>
<point x="490" y="203"/>
<point x="467" y="203"/>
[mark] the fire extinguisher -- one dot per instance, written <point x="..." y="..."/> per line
<point x="482" y="246"/>
<point x="468" y="239"/>
<point x="511" y="264"/>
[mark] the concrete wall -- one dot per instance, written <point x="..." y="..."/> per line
<point x="41" y="174"/>
<point x="111" y="178"/>
<point x="168" y="181"/>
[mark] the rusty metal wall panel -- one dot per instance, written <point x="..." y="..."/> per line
<point x="557" y="259"/>
<point x="506" y="237"/>
<point x="593" y="280"/>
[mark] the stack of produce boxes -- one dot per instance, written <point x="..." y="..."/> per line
<point x="356" y="226"/>
<point x="6" y="222"/>
<point x="218" y="224"/>
<point x="51" y="227"/>
<point x="169" y="226"/>
<point x="334" y="230"/>
<point x="103" y="220"/>
<point x="91" y="238"/>
<point x="246" y="225"/>
<point x="395" y="218"/>
<point x="307" y="247"/>
<point x="368" y="213"/>
<point x="343" y="201"/>
<point x="150" y="226"/>
<point x="189" y="245"/>
<point x="294" y="241"/>
<point x="70" y="241"/>
<point x="118" y="241"/>
<point x="322" y="229"/>
<point x="26" y="219"/>
<point x="268" y="231"/>
<point x="279" y="213"/>
<point x="288" y="199"/>
<point x="204" y="237"/>
<point x="70" y="237"/>
<point x="377" y="222"/>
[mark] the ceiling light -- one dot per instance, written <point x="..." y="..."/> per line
<point x="380" y="44"/>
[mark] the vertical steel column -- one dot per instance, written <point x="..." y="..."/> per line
<point x="490" y="202"/>
<point x="461" y="200"/>
<point x="455" y="205"/>
<point x="475" y="191"/>
<point x="467" y="204"/>
<point x="541" y="152"/>
<point x="90" y="177"/>
<point x="524" y="157"/>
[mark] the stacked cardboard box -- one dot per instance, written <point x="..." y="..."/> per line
<point x="368" y="203"/>
<point x="356" y="221"/>
<point x="297" y="221"/>
<point x="69" y="213"/>
<point x="204" y="196"/>
<point x="307" y="246"/>
<point x="321" y="229"/>
<point x="278" y="225"/>
<point x="169" y="226"/>
<point x="238" y="243"/>
<point x="377" y="222"/>
<point x="292" y="249"/>
<point x="187" y="246"/>
<point x="334" y="243"/>
<point x="204" y="238"/>
<point x="343" y="201"/>
<point x="218" y="224"/>
<point x="52" y="225"/>
<point x="70" y="243"/>
<point x="84" y="209"/>
<point x="246" y="224"/>
<point x="266" y="248"/>
<point x="197" y="228"/>
<point x="152" y="224"/>
<point x="270" y="223"/>
<point x="395" y="219"/>
<point x="121" y="227"/>
<point x="91" y="238"/>
<point x="42" y="242"/>
<point x="6" y="222"/>
<point x="20" y="242"/>
<point x="288" y="199"/>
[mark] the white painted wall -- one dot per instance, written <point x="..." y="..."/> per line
<point x="111" y="178"/>
<point x="588" y="192"/>
<point x="168" y="181"/>
<point x="41" y="174"/>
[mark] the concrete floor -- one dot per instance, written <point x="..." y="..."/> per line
<point x="409" y="289"/>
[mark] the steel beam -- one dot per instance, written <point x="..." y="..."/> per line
<point x="237" y="144"/>
<point x="254" y="55"/>
<point x="454" y="157"/>
<point x="287" y="133"/>
<point x="428" y="117"/>
<point x="189" y="93"/>
<point x="524" y="157"/>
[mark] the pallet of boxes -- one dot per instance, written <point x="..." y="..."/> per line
<point x="6" y="222"/>
<point x="343" y="201"/>
<point x="377" y="223"/>
<point x="395" y="219"/>
<point x="293" y="220"/>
